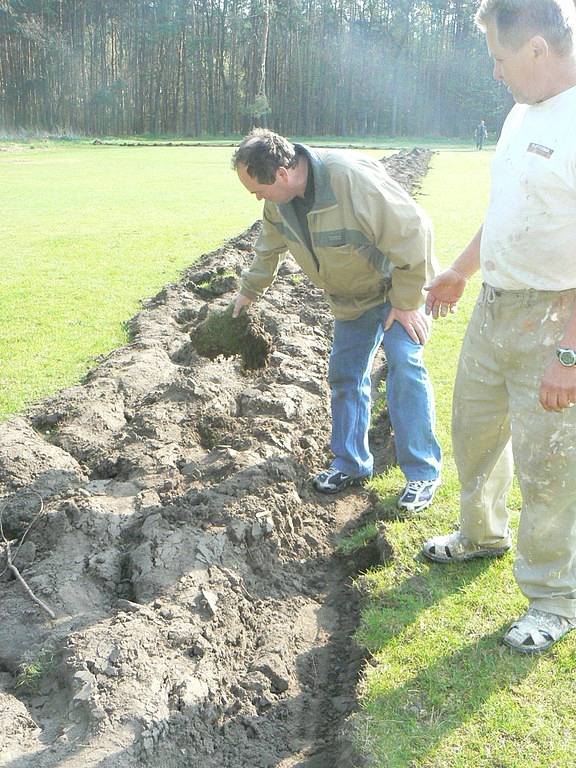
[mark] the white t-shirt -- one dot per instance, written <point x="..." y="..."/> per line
<point x="529" y="235"/>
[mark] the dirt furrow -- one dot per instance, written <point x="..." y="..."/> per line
<point x="203" y="617"/>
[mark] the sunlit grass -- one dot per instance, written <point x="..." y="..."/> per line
<point x="89" y="231"/>
<point x="86" y="232"/>
<point x="380" y="142"/>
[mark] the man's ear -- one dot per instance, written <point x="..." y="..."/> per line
<point x="282" y="174"/>
<point x="540" y="47"/>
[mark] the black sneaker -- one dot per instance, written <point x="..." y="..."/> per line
<point x="334" y="481"/>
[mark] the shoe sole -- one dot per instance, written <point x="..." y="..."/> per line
<point x="414" y="508"/>
<point x="483" y="553"/>
<point x="527" y="650"/>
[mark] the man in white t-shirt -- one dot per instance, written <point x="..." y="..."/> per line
<point x="516" y="381"/>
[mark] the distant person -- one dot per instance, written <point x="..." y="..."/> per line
<point x="516" y="382"/>
<point x="480" y="134"/>
<point x="358" y="235"/>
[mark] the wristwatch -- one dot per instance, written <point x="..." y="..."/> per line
<point x="566" y="356"/>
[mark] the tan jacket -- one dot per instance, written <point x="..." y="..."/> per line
<point x="371" y="241"/>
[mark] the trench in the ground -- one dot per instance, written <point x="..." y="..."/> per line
<point x="241" y="454"/>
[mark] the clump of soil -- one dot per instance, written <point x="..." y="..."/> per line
<point x="222" y="334"/>
<point x="203" y="619"/>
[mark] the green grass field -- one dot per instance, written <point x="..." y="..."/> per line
<point x="379" y="142"/>
<point x="88" y="232"/>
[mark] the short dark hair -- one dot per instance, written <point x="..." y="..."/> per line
<point x="518" y="20"/>
<point x="263" y="152"/>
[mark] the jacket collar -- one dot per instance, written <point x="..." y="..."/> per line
<point x="323" y="192"/>
<point x="324" y="196"/>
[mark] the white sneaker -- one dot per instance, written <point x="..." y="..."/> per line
<point x="417" y="495"/>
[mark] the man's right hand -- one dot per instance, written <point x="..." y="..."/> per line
<point x="444" y="292"/>
<point x="240" y="302"/>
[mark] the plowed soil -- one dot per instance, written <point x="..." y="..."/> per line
<point x="162" y="509"/>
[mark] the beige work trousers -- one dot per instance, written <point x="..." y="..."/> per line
<point x="498" y="424"/>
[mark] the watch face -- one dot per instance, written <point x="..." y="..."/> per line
<point x="567" y="357"/>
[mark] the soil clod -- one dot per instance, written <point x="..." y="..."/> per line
<point x="222" y="334"/>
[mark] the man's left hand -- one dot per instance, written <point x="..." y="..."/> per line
<point x="415" y="323"/>
<point x="558" y="387"/>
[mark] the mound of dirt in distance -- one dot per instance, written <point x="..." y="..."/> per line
<point x="162" y="509"/>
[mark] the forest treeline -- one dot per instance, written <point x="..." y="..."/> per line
<point x="198" y="67"/>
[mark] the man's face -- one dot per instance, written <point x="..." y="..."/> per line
<point x="279" y="191"/>
<point x="516" y="69"/>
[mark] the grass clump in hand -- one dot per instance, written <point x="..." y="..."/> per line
<point x="222" y="334"/>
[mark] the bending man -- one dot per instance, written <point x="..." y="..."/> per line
<point x="360" y="237"/>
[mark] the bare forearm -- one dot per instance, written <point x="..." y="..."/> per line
<point x="447" y="288"/>
<point x="569" y="337"/>
<point x="469" y="260"/>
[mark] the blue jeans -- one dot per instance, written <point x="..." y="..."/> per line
<point x="409" y="396"/>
